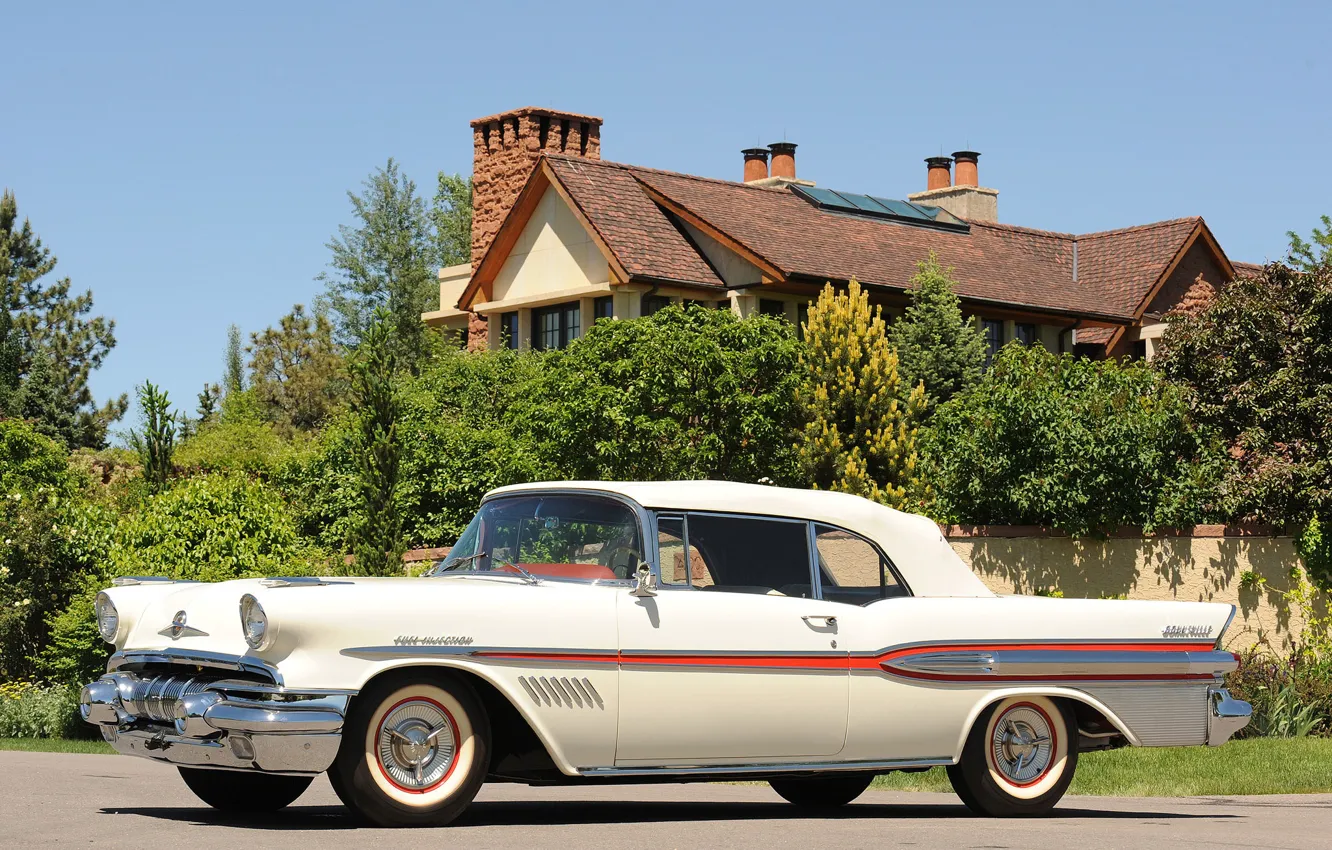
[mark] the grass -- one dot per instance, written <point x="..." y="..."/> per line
<point x="1253" y="766"/>
<point x="56" y="745"/>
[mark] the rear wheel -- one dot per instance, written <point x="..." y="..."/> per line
<point x="1019" y="758"/>
<point x="241" y="791"/>
<point x="414" y="752"/>
<point x="823" y="792"/>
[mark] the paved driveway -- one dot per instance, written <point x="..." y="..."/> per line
<point x="113" y="801"/>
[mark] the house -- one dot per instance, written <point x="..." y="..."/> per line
<point x="562" y="238"/>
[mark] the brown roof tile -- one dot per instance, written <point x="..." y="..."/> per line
<point x="993" y="262"/>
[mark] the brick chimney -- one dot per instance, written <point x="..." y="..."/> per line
<point x="756" y="164"/>
<point x="783" y="159"/>
<point x="965" y="198"/>
<point x="504" y="149"/>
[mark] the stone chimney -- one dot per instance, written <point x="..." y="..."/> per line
<point x="756" y="164"/>
<point x="965" y="198"/>
<point x="504" y="149"/>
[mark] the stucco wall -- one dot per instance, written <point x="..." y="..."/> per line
<point x="553" y="253"/>
<point x="1205" y="569"/>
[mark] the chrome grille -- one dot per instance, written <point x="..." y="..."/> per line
<point x="156" y="698"/>
<point x="561" y="691"/>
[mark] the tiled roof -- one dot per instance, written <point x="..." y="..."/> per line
<point x="645" y="241"/>
<point x="1247" y="269"/>
<point x="993" y="262"/>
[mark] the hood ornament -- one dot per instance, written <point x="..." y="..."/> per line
<point x="178" y="629"/>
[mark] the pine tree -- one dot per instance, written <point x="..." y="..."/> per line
<point x="11" y="354"/>
<point x="56" y="337"/>
<point x="452" y="219"/>
<point x="233" y="365"/>
<point x="388" y="260"/>
<point x="378" y="541"/>
<point x="861" y="423"/>
<point x="934" y="343"/>
<point x="296" y="371"/>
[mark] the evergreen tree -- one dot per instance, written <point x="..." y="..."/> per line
<point x="156" y="443"/>
<point x="452" y="219"/>
<point x="55" y="335"/>
<point x="296" y="372"/>
<point x="387" y="260"/>
<point x="378" y="541"/>
<point x="861" y="424"/>
<point x="934" y="343"/>
<point x="233" y="365"/>
<point x="11" y="354"/>
<point x="1314" y="254"/>
<point x="209" y="399"/>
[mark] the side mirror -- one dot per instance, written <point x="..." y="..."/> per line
<point x="647" y="583"/>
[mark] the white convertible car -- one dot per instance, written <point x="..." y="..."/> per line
<point x="599" y="632"/>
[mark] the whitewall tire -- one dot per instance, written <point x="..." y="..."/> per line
<point x="415" y="750"/>
<point x="1019" y="758"/>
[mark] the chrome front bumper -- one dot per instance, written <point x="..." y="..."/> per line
<point x="198" y="720"/>
<point x="1225" y="716"/>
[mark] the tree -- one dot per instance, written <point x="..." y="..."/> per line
<point x="452" y="219"/>
<point x="935" y="344"/>
<point x="54" y="334"/>
<point x="156" y="442"/>
<point x="1070" y="443"/>
<point x="693" y="393"/>
<point x="1257" y="366"/>
<point x="1309" y="256"/>
<point x="388" y="260"/>
<point x="378" y="543"/>
<point x="11" y="356"/>
<point x="209" y="399"/>
<point x="861" y="421"/>
<point x="233" y="365"/>
<point x="296" y="370"/>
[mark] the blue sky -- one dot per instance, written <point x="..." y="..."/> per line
<point x="189" y="164"/>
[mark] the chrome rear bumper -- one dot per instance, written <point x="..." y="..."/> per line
<point x="205" y="721"/>
<point x="1225" y="716"/>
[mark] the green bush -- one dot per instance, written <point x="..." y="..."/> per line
<point x="32" y="711"/>
<point x="210" y="528"/>
<point x="1315" y="547"/>
<point x="252" y="448"/>
<point x="1070" y="443"/>
<point x="1291" y="695"/>
<point x="50" y="537"/>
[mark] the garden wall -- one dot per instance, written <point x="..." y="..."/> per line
<point x="1204" y="563"/>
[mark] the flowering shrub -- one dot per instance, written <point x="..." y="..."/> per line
<point x="28" y="710"/>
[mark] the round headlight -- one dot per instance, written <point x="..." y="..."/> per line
<point x="108" y="619"/>
<point x="254" y="622"/>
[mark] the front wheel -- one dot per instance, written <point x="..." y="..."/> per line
<point x="238" y="791"/>
<point x="823" y="792"/>
<point x="414" y="752"/>
<point x="1019" y="758"/>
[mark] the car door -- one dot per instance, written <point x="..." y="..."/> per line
<point x="733" y="660"/>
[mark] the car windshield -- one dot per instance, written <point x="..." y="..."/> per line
<point x="579" y="537"/>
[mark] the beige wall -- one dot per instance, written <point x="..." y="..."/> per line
<point x="1200" y="569"/>
<point x="553" y="253"/>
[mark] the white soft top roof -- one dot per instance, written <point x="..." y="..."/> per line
<point x="914" y="543"/>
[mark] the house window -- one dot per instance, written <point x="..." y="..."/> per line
<point x="992" y="331"/>
<point x="555" y="327"/>
<point x="772" y="307"/>
<point x="1024" y="333"/>
<point x="603" y="308"/>
<point x="508" y="328"/>
<point x="1140" y="350"/>
<point x="802" y="318"/>
<point x="653" y="303"/>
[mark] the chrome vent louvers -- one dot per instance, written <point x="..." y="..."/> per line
<point x="155" y="699"/>
<point x="561" y="691"/>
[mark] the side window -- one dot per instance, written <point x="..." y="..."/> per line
<point x="851" y="570"/>
<point x="736" y="554"/>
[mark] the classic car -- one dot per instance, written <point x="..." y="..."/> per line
<point x="606" y="632"/>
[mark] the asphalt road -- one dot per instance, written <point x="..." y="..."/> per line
<point x="116" y="801"/>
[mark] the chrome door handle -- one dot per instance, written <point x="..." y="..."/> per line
<point x="828" y="619"/>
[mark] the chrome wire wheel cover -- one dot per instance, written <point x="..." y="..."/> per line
<point x="417" y="743"/>
<point x="1023" y="744"/>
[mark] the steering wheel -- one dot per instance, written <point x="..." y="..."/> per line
<point x="631" y="559"/>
